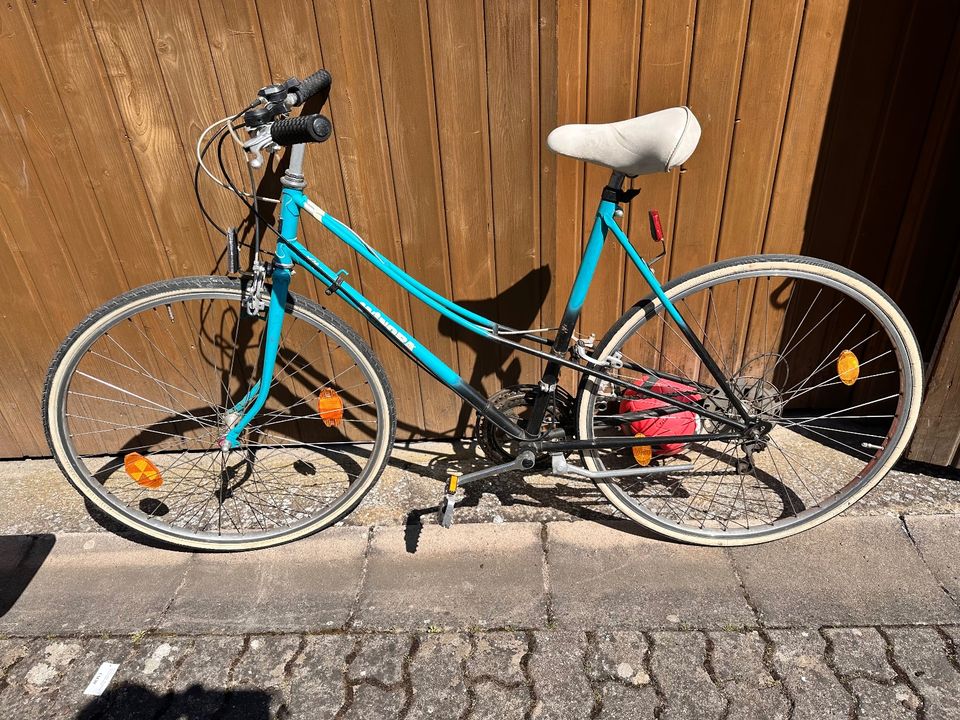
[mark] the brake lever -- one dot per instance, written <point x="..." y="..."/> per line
<point x="257" y="144"/>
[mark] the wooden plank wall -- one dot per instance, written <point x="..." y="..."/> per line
<point x="440" y="110"/>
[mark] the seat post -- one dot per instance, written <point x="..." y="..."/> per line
<point x="611" y="191"/>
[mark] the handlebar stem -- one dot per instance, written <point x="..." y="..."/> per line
<point x="293" y="177"/>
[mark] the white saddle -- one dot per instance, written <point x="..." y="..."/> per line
<point x="656" y="142"/>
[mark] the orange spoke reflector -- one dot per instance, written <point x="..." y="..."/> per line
<point x="643" y="454"/>
<point x="142" y="471"/>
<point x="848" y="367"/>
<point x="330" y="407"/>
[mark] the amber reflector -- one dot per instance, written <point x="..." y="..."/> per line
<point x="142" y="470"/>
<point x="330" y="407"/>
<point x="643" y="454"/>
<point x="848" y="367"/>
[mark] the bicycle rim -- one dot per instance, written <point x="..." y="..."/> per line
<point x="817" y="351"/>
<point x="140" y="395"/>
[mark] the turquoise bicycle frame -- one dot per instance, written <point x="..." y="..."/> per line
<point x="291" y="252"/>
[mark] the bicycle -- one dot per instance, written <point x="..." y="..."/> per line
<point x="743" y="402"/>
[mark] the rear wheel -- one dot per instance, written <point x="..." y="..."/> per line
<point x="139" y="395"/>
<point x="819" y="352"/>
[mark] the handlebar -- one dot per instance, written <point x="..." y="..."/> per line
<point x="277" y="100"/>
<point x="302" y="129"/>
<point x="320" y="81"/>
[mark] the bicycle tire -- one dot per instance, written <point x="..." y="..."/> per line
<point x="131" y="309"/>
<point x="666" y="520"/>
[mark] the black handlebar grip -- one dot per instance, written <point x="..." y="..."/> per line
<point x="318" y="82"/>
<point x="302" y="129"/>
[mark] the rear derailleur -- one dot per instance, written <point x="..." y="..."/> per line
<point x="757" y="435"/>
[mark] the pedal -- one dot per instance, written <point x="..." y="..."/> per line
<point x="445" y="511"/>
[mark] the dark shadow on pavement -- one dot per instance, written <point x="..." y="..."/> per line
<point x="20" y="558"/>
<point x="133" y="702"/>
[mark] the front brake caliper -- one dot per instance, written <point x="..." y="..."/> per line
<point x="253" y="300"/>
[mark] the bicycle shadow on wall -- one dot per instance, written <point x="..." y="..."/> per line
<point x="517" y="306"/>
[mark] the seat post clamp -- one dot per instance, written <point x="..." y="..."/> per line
<point x="612" y="194"/>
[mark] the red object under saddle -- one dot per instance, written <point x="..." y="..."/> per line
<point x="661" y="418"/>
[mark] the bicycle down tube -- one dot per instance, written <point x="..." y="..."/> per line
<point x="290" y="251"/>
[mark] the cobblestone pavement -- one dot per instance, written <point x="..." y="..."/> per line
<point x="852" y="672"/>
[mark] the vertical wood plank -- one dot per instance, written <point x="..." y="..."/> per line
<point x="66" y="36"/>
<point x="612" y="70"/>
<point x="346" y="35"/>
<point x="406" y="80"/>
<point x="459" y="68"/>
<point x="761" y="109"/>
<point x="292" y="45"/>
<point x="513" y="89"/>
<point x="718" y="46"/>
<point x="662" y="80"/>
<point x="571" y="107"/>
<point x="149" y="122"/>
<point x="800" y="144"/>
<point x="937" y="437"/>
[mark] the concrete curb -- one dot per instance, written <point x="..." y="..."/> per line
<point x="570" y="575"/>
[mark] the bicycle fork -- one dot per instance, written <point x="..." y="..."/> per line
<point x="256" y="397"/>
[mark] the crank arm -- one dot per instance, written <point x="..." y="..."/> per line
<point x="524" y="461"/>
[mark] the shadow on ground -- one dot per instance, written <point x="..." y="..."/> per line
<point x="20" y="558"/>
<point x="132" y="702"/>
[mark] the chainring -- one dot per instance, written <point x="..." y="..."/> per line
<point x="516" y="401"/>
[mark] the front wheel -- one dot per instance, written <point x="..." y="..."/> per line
<point x="140" y="394"/>
<point x="813" y="349"/>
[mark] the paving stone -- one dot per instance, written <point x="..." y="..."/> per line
<point x="619" y="655"/>
<point x="44" y="683"/>
<point x="498" y="655"/>
<point x="937" y="538"/>
<point x="737" y="661"/>
<point x="495" y="702"/>
<point x="439" y="689"/>
<point x="677" y="661"/>
<point x="800" y="660"/>
<point x="922" y="654"/>
<point x="317" y="688"/>
<point x="373" y="703"/>
<point x="859" y="652"/>
<point x="953" y="632"/>
<point x="95" y="583"/>
<point x="877" y="701"/>
<point x="262" y="669"/>
<point x="607" y="577"/>
<point x="559" y="682"/>
<point x="850" y="571"/>
<point x="142" y="685"/>
<point x="380" y="658"/>
<point x="200" y="684"/>
<point x="468" y="576"/>
<point x="619" y="701"/>
<point x="12" y="651"/>
<point x="305" y="586"/>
